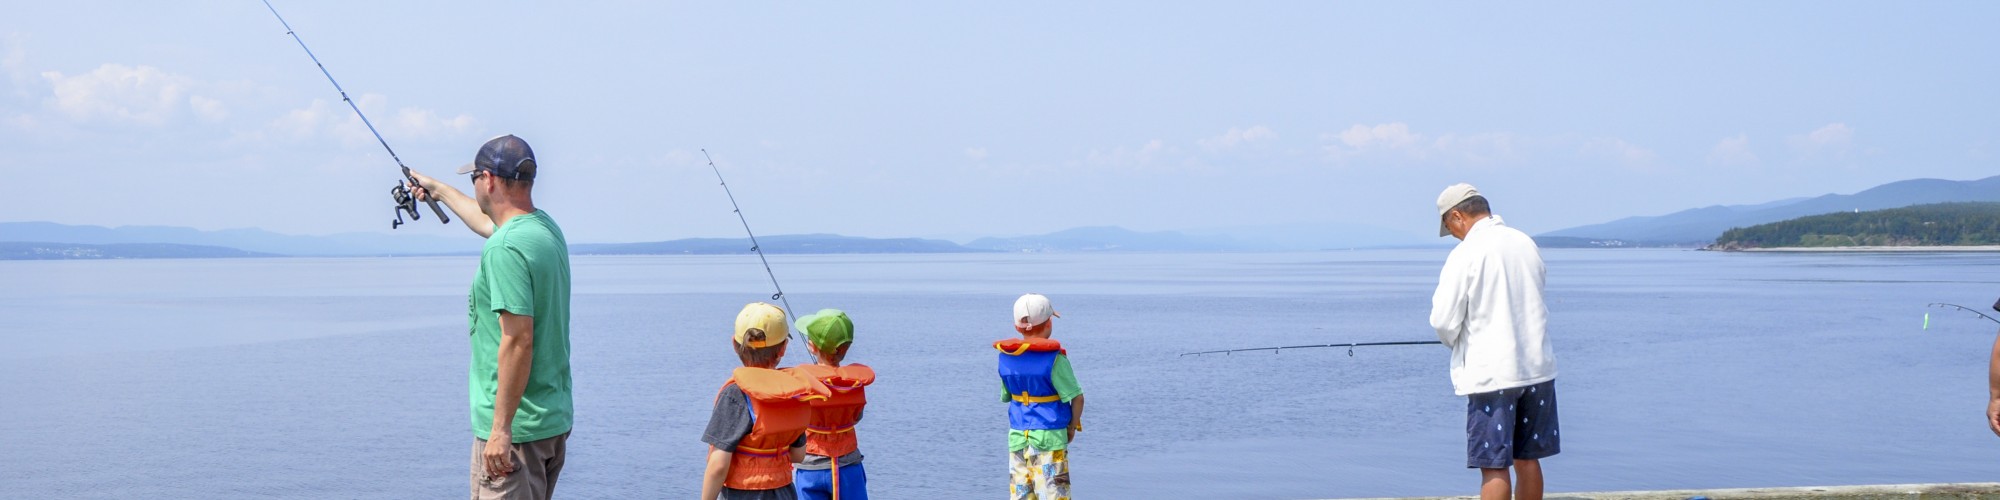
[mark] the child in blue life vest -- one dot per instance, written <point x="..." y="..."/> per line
<point x="1044" y="403"/>
<point x="758" y="427"/>
<point x="832" y="466"/>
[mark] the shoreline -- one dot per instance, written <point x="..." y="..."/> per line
<point x="1868" y="249"/>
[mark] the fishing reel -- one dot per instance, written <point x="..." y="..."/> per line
<point x="405" y="202"/>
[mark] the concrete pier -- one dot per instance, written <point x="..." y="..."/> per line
<point x="1953" y="491"/>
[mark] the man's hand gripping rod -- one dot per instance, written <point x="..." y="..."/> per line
<point x="405" y="201"/>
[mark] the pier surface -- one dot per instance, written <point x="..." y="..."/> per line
<point x="1955" y="491"/>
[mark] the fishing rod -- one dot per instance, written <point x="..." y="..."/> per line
<point x="754" y="247"/>
<point x="405" y="202"/>
<point x="1927" y="316"/>
<point x="1349" y="345"/>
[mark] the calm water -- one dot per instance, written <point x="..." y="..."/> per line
<point x="339" y="378"/>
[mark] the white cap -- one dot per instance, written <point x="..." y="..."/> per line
<point x="1032" y="310"/>
<point x="1451" y="197"/>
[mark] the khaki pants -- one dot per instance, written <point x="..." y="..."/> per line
<point x="536" y="465"/>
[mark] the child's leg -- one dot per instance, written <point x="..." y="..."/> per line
<point x="853" y="483"/>
<point x="1493" y="484"/>
<point x="1528" y="479"/>
<point x="1020" y="474"/>
<point x="813" y="484"/>
<point x="1052" y="482"/>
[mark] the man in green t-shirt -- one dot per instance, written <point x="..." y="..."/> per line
<point x="519" y="380"/>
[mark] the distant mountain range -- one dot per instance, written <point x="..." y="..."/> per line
<point x="1701" y="226"/>
<point x="20" y="250"/>
<point x="51" y="240"/>
<point x="1688" y="228"/>
<point x="784" y="243"/>
<point x="256" y="241"/>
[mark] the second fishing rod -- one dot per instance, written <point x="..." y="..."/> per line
<point x="754" y="246"/>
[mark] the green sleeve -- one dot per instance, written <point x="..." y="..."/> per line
<point x="1064" y="379"/>
<point x="1004" y="396"/>
<point x="509" y="285"/>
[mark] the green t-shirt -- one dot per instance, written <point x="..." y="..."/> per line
<point x="1064" y="379"/>
<point x="523" y="270"/>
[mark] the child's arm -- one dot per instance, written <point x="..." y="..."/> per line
<point x="1993" y="390"/>
<point x="798" y="451"/>
<point x="711" y="479"/>
<point x="1076" y="416"/>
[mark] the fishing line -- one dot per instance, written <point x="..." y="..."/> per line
<point x="1349" y="345"/>
<point x="754" y="247"/>
<point x="405" y="202"/>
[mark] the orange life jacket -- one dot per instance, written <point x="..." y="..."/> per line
<point x="779" y="412"/>
<point x="831" y="432"/>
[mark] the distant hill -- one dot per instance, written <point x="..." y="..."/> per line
<point x="1698" y="227"/>
<point x="250" y="240"/>
<point x="802" y="243"/>
<point x="24" y="250"/>
<point x="1941" y="224"/>
<point x="1318" y="236"/>
<point x="1109" y="239"/>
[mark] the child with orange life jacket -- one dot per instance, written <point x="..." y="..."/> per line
<point x="1044" y="403"/>
<point x="759" y="422"/>
<point x="832" y="467"/>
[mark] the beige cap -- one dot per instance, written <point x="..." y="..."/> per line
<point x="761" y="316"/>
<point x="1032" y="310"/>
<point x="1451" y="197"/>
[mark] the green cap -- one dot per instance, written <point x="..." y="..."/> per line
<point x="827" y="329"/>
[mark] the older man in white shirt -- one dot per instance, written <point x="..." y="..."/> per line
<point x="1488" y="309"/>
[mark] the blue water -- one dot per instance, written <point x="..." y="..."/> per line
<point x="345" y="378"/>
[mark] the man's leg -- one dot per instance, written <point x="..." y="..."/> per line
<point x="1528" y="479"/>
<point x="1489" y="440"/>
<point x="1493" y="484"/>
<point x="531" y="477"/>
<point x="551" y="453"/>
<point x="1537" y="435"/>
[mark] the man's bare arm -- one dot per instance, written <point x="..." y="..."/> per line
<point x="461" y="204"/>
<point x="517" y="357"/>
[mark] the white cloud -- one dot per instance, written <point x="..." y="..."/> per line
<point x="333" y="119"/>
<point x="14" y="56"/>
<point x="1385" y="136"/>
<point x="1624" y="153"/>
<point x="120" y="94"/>
<point x="425" y="123"/>
<point x="1733" y="151"/>
<point x="1237" y="137"/>
<point x="1477" y="149"/>
<point x="1396" y="140"/>
<point x="1832" y="141"/>
<point x="975" y="154"/>
<point x="208" y="109"/>
<point x="1130" y="157"/>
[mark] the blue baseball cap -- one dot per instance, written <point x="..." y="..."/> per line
<point x="506" y="157"/>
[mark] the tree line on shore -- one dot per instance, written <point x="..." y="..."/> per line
<point x="1940" y="224"/>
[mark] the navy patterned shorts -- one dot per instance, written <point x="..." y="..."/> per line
<point x="1511" y="424"/>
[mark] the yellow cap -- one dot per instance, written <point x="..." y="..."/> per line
<point x="763" y="317"/>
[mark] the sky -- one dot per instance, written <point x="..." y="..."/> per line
<point x="947" y="119"/>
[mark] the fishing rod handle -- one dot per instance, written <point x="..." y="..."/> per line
<point x="442" y="218"/>
<point x="428" y="200"/>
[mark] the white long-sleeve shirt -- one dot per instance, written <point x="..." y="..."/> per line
<point x="1488" y="309"/>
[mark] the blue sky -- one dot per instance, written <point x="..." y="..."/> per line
<point x="949" y="119"/>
